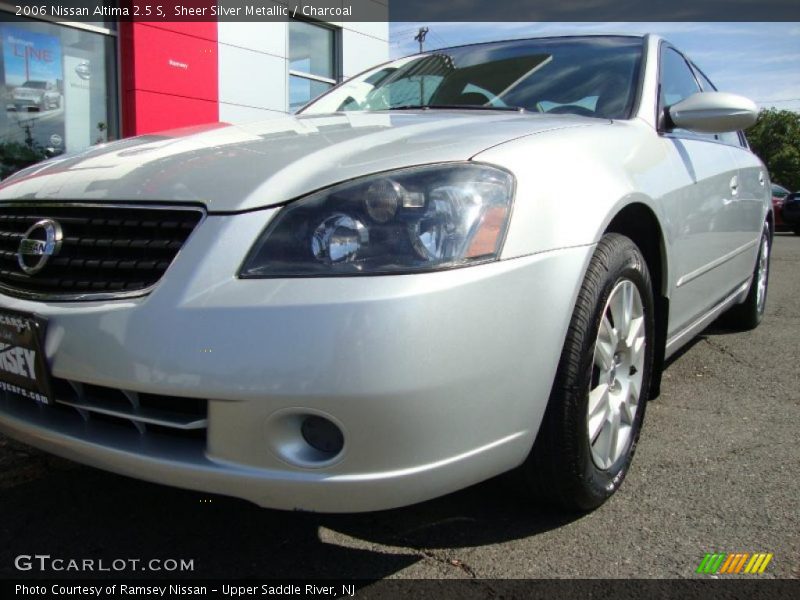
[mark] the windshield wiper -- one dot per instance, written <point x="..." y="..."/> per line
<point x="455" y="106"/>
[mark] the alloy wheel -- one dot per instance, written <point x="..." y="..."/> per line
<point x="763" y="272"/>
<point x="617" y="372"/>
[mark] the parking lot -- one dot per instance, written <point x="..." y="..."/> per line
<point x="716" y="470"/>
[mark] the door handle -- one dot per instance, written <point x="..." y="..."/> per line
<point x="761" y="178"/>
<point x="734" y="185"/>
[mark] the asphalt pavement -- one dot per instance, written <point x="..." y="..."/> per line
<point x="716" y="471"/>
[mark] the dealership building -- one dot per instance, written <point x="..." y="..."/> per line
<point x="68" y="85"/>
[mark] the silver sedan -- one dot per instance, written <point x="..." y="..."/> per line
<point x="457" y="264"/>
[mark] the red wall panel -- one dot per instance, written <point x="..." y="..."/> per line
<point x="206" y="30"/>
<point x="174" y="63"/>
<point x="158" y="112"/>
<point x="169" y="75"/>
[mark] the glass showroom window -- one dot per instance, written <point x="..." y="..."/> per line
<point x="57" y="88"/>
<point x="312" y="62"/>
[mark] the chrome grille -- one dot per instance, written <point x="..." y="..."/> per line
<point x="106" y="249"/>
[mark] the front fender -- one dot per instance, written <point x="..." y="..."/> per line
<point x="571" y="183"/>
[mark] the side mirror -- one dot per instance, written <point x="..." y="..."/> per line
<point x="713" y="112"/>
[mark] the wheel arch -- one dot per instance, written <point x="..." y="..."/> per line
<point x="639" y="222"/>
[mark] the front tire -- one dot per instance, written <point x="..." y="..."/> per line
<point x="590" y="429"/>
<point x="748" y="314"/>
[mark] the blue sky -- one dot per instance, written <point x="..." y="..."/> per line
<point x="758" y="60"/>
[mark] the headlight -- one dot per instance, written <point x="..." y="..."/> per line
<point x="417" y="219"/>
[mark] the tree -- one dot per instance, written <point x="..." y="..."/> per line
<point x="776" y="139"/>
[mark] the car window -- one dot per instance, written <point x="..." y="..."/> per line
<point x="593" y="76"/>
<point x="409" y="90"/>
<point x="677" y="80"/>
<point x="589" y="103"/>
<point x="705" y="84"/>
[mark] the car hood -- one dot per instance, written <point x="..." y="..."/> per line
<point x="242" y="167"/>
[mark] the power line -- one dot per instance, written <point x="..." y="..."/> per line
<point x="776" y="101"/>
<point x="403" y="32"/>
<point x="440" y="38"/>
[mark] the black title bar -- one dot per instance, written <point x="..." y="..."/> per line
<point x="104" y="11"/>
<point x="464" y="589"/>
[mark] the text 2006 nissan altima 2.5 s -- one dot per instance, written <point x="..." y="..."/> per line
<point x="389" y="295"/>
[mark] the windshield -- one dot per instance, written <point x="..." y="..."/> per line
<point x="592" y="76"/>
<point x="39" y="85"/>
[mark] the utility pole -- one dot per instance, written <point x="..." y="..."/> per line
<point x="420" y="37"/>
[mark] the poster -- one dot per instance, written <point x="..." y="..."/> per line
<point x="32" y="91"/>
<point x="31" y="57"/>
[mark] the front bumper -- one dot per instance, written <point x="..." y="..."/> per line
<point x="27" y="102"/>
<point x="437" y="380"/>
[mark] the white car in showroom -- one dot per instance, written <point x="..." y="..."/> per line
<point x="390" y="295"/>
<point x="41" y="95"/>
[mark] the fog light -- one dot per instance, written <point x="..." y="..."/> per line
<point x="322" y="435"/>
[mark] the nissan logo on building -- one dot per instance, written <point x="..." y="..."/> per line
<point x="40" y="242"/>
<point x="83" y="71"/>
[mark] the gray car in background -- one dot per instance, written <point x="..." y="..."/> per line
<point x="388" y="296"/>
